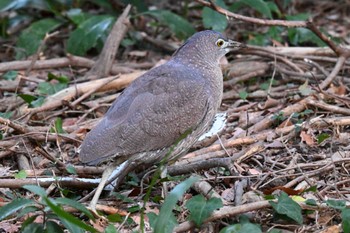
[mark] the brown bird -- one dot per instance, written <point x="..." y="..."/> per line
<point x="163" y="112"/>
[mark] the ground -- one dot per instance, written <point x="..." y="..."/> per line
<point x="287" y="129"/>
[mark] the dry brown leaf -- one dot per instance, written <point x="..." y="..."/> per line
<point x="289" y="191"/>
<point x="332" y="229"/>
<point x="228" y="194"/>
<point x="307" y="138"/>
<point x="285" y="123"/>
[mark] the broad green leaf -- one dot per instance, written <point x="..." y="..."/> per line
<point x="322" y="137"/>
<point x="286" y="206"/>
<point x="28" y="221"/>
<point x="88" y="33"/>
<point x="110" y="229"/>
<point x="180" y="26"/>
<point x="243" y="95"/>
<point x="27" y="210"/>
<point x="13" y="206"/>
<point x="33" y="228"/>
<point x="30" y="38"/>
<point x="166" y="211"/>
<point x="259" y="5"/>
<point x="38" y="102"/>
<point x="201" y="209"/>
<point x="22" y="174"/>
<point x="103" y="3"/>
<point x="336" y="204"/>
<point x="60" y="79"/>
<point x="298" y="36"/>
<point x="77" y="15"/>
<point x="52" y="226"/>
<point x="311" y="202"/>
<point x="172" y="222"/>
<point x="305" y="89"/>
<point x="345" y="215"/>
<point x="213" y="19"/>
<point x="74" y="204"/>
<point x="72" y="228"/>
<point x="6" y="115"/>
<point x="63" y="215"/>
<point x="71" y="170"/>
<point x="58" y="126"/>
<point x="243" y="227"/>
<point x="36" y="190"/>
<point x="141" y="6"/>
<point x="6" y="5"/>
<point x="115" y="218"/>
<point x="10" y="75"/>
<point x="27" y="98"/>
<point x="47" y="88"/>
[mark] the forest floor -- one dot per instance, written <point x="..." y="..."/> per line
<point x="287" y="129"/>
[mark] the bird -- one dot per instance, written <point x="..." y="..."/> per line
<point x="161" y="114"/>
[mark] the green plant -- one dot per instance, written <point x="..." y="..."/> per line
<point x="53" y="85"/>
<point x="52" y="212"/>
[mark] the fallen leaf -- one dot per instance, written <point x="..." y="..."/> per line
<point x="307" y="138"/>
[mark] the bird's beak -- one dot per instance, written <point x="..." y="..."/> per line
<point x="234" y="45"/>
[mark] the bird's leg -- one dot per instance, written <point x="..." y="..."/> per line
<point x="105" y="175"/>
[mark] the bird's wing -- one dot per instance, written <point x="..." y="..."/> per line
<point x="151" y="114"/>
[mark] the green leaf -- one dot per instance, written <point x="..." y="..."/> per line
<point x="243" y="227"/>
<point x="27" y="98"/>
<point x="28" y="221"/>
<point x="115" y="218"/>
<point x="259" y="5"/>
<point x="77" y="15"/>
<point x="10" y="75"/>
<point x="298" y="36"/>
<point x="71" y="169"/>
<point x="166" y="211"/>
<point x="6" y="115"/>
<point x="74" y="204"/>
<point x="305" y="89"/>
<point x="22" y="174"/>
<point x="6" y="5"/>
<point x="311" y="202"/>
<point x="13" y="206"/>
<point x="201" y="209"/>
<point x="38" y="102"/>
<point x="286" y="206"/>
<point x="110" y="229"/>
<point x="47" y="88"/>
<point x="63" y="215"/>
<point x="33" y="228"/>
<point x="52" y="226"/>
<point x="26" y="210"/>
<point x="172" y="222"/>
<point x="30" y="39"/>
<point x="58" y="128"/>
<point x="60" y="79"/>
<point x="35" y="189"/>
<point x="243" y="95"/>
<point x="336" y="204"/>
<point x="213" y="19"/>
<point x="322" y="137"/>
<point x="345" y="215"/>
<point x="88" y="33"/>
<point x="180" y="26"/>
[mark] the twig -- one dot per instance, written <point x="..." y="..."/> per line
<point x="104" y="63"/>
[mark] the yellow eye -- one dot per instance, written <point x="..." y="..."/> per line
<point x="220" y="42"/>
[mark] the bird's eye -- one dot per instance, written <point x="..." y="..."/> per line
<point x="220" y="42"/>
